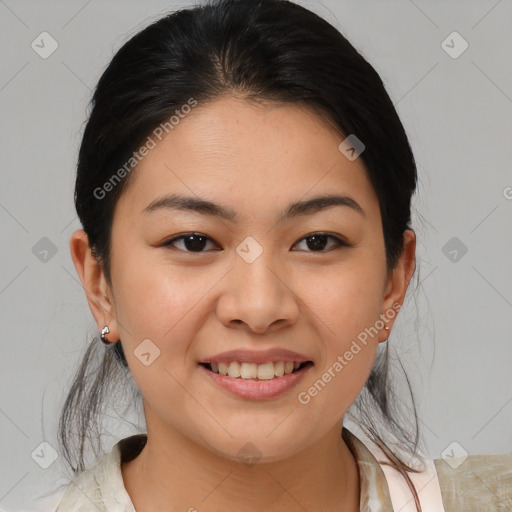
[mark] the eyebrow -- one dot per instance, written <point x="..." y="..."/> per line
<point x="202" y="206"/>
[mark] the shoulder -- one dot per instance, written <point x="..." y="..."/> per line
<point x="85" y="490"/>
<point x="46" y="502"/>
<point x="102" y="485"/>
<point x="476" y="482"/>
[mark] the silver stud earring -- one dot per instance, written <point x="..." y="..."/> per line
<point x="104" y="339"/>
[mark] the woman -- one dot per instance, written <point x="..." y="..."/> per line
<point x="244" y="186"/>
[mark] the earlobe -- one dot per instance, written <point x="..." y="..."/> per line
<point x="93" y="280"/>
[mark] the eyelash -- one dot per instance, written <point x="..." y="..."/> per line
<point x="339" y="241"/>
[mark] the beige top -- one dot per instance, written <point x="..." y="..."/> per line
<point x="480" y="483"/>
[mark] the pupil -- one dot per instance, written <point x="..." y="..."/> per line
<point x="316" y="239"/>
<point x="198" y="245"/>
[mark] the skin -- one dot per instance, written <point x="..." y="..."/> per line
<point x="255" y="159"/>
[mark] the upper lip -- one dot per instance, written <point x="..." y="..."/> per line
<point x="257" y="357"/>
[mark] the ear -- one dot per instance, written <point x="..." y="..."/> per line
<point x="97" y="290"/>
<point x="398" y="282"/>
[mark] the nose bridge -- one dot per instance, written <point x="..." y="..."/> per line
<point x="257" y="294"/>
<point x="254" y="262"/>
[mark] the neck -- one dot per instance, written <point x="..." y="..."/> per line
<point x="172" y="473"/>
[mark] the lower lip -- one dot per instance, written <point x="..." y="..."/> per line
<point x="257" y="389"/>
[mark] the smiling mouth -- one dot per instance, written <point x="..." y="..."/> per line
<point x="252" y="371"/>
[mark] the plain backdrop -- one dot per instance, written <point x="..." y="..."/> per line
<point x="454" y="335"/>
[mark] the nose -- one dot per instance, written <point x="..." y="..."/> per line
<point x="258" y="296"/>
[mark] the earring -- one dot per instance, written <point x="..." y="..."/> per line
<point x="103" y="338"/>
<point x="386" y="327"/>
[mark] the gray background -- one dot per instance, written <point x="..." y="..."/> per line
<point x="457" y="113"/>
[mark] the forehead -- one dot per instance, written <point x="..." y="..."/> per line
<point x="252" y="153"/>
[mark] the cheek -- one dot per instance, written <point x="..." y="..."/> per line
<point x="344" y="316"/>
<point x="345" y="300"/>
<point x="345" y="307"/>
<point x="150" y="291"/>
<point x="156" y="303"/>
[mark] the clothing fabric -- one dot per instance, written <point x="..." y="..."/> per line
<point x="480" y="482"/>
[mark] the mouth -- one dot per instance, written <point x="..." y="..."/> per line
<point x="256" y="381"/>
<point x="272" y="370"/>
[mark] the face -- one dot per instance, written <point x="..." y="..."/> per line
<point x="306" y="281"/>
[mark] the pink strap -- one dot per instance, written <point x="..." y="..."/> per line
<point x="426" y="484"/>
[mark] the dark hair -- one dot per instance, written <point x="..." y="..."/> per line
<point x="264" y="50"/>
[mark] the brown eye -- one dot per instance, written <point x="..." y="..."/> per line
<point x="317" y="242"/>
<point x="193" y="242"/>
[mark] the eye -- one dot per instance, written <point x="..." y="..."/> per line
<point x="318" y="241"/>
<point x="195" y="242"/>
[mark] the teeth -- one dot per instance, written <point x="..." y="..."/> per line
<point x="279" y="369"/>
<point x="234" y="370"/>
<point x="247" y="370"/>
<point x="265" y="371"/>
